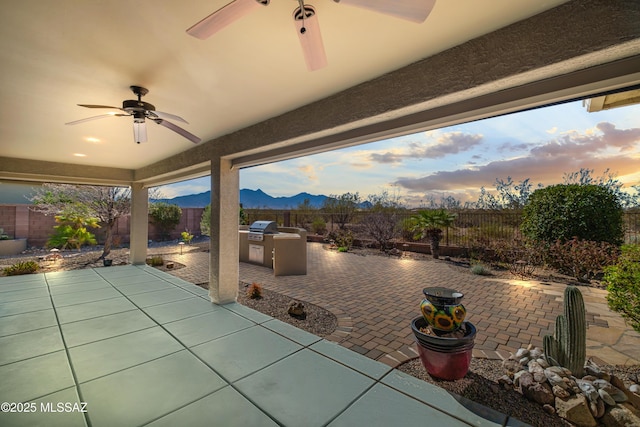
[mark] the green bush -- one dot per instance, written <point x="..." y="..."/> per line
<point x="24" y="267"/>
<point x="155" y="261"/>
<point x="165" y="216"/>
<point x="318" y="225"/>
<point x="186" y="237"/>
<point x="623" y="284"/>
<point x="71" y="231"/>
<point x="562" y="212"/>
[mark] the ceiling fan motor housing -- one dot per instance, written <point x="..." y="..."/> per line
<point x="132" y="106"/>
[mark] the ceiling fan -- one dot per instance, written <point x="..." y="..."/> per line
<point x="306" y="21"/>
<point x="140" y="111"/>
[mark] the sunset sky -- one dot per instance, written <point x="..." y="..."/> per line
<point x="541" y="144"/>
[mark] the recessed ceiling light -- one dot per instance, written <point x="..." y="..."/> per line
<point x="92" y="139"/>
<point x="79" y="155"/>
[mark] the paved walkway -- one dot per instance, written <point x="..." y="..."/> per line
<point x="375" y="299"/>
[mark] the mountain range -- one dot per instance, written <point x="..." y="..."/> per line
<point x="250" y="199"/>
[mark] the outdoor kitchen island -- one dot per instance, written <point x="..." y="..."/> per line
<point x="284" y="249"/>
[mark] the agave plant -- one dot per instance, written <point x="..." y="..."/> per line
<point x="429" y="224"/>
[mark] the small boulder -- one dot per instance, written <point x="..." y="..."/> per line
<point x="576" y="410"/>
<point x="560" y="392"/>
<point x="296" y="309"/>
<point x="535" y="391"/>
<point x="620" y="416"/>
<point x="597" y="408"/>
<point x="633" y="398"/>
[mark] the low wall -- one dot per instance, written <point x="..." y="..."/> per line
<point x="19" y="221"/>
<point x="12" y="247"/>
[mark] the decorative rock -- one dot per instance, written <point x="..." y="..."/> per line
<point x="560" y="392"/>
<point x="535" y="353"/>
<point x="533" y="390"/>
<point x="523" y="352"/>
<point x="559" y="370"/>
<point x="516" y="377"/>
<point x="634" y="388"/>
<point x="524" y="360"/>
<point x="620" y="416"/>
<point x="296" y="309"/>
<point x="540" y="377"/>
<point x="589" y="378"/>
<point x="575" y="410"/>
<point x="542" y="362"/>
<point x="588" y="389"/>
<point x="592" y="370"/>
<point x="554" y="378"/>
<point x="614" y="392"/>
<point x="549" y="409"/>
<point x="597" y="408"/>
<point x="535" y="367"/>
<point x="505" y="382"/>
<point x="606" y="397"/>
<point x="511" y="366"/>
<point x="633" y="398"/>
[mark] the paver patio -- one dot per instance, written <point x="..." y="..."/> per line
<point x="375" y="298"/>
<point x="142" y="347"/>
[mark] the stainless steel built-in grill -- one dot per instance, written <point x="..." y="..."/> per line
<point x="258" y="229"/>
<point x="284" y="250"/>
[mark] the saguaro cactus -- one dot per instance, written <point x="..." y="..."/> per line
<point x="569" y="346"/>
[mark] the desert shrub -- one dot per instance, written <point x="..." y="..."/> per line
<point x="623" y="284"/>
<point x="562" y="212"/>
<point x="155" y="261"/>
<point x="254" y="291"/>
<point x="186" y="237"/>
<point x="343" y="238"/>
<point x="23" y="267"/>
<point x="582" y="259"/>
<point x="319" y="226"/>
<point x="3" y="235"/>
<point x="165" y="216"/>
<point x="480" y="270"/>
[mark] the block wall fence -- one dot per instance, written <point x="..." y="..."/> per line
<point x="19" y="221"/>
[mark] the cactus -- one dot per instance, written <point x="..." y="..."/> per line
<point x="568" y="347"/>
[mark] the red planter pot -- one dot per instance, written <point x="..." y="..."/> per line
<point x="444" y="358"/>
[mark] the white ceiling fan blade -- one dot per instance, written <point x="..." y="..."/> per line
<point x="223" y="17"/>
<point x="412" y="10"/>
<point x="140" y="132"/>
<point x="308" y="31"/>
<point x="88" y="119"/>
<point x="177" y="129"/>
<point x="162" y="115"/>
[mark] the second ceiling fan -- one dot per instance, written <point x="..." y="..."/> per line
<point x="306" y="21"/>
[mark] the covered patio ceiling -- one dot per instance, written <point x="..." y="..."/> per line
<point x="247" y="93"/>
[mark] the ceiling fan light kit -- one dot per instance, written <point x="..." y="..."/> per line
<point x="141" y="111"/>
<point x="306" y="21"/>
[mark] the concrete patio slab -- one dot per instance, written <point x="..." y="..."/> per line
<point x="122" y="362"/>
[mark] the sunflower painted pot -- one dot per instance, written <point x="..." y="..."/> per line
<point x="442" y="309"/>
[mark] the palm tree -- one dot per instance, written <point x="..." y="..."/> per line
<point x="429" y="224"/>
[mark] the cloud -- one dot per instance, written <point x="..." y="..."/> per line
<point x="552" y="130"/>
<point x="309" y="171"/>
<point x="545" y="163"/>
<point x="446" y="144"/>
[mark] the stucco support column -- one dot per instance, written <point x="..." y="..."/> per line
<point x="223" y="261"/>
<point x="139" y="224"/>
